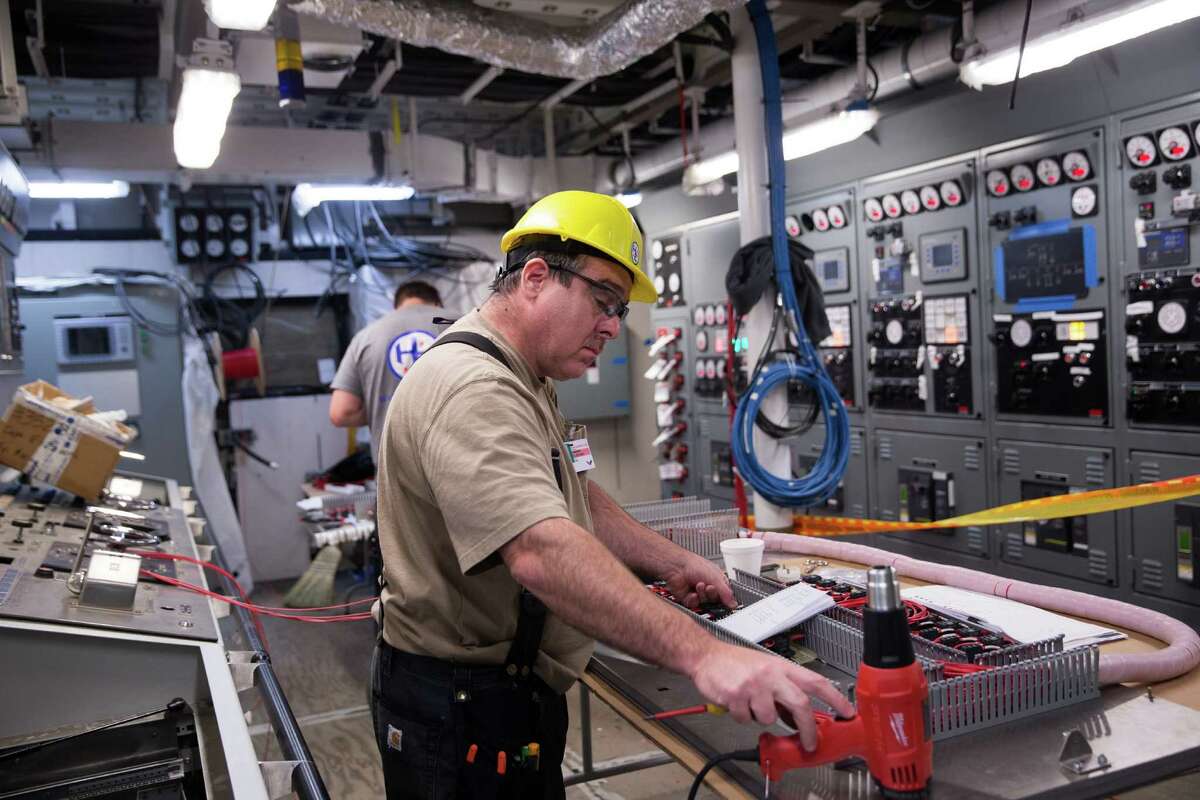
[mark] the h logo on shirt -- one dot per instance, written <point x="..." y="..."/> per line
<point x="405" y="349"/>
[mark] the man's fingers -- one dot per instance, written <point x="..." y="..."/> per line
<point x="762" y="705"/>
<point x="740" y="711"/>
<point x="796" y="703"/>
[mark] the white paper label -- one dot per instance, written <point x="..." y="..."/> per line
<point x="1139" y="308"/>
<point x="592" y="375"/>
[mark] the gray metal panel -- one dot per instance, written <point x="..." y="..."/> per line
<point x="1152" y="544"/>
<point x="712" y="452"/>
<point x="604" y="391"/>
<point x="666" y="319"/>
<point x="853" y="498"/>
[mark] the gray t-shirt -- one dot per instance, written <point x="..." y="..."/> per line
<point x="380" y="355"/>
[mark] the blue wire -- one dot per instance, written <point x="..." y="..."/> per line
<point x="823" y="480"/>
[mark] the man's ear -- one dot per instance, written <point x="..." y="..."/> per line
<point x="535" y="274"/>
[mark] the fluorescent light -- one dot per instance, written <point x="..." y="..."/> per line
<point x="78" y="190"/>
<point x="1086" y="35"/>
<point x="204" y="106"/>
<point x="839" y="128"/>
<point x="242" y="15"/>
<point x="307" y="196"/>
<point x="131" y="455"/>
<point x="630" y="199"/>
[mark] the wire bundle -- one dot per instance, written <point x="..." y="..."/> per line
<point x="822" y="481"/>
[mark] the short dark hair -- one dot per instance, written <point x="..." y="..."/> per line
<point x="509" y="278"/>
<point x="418" y="289"/>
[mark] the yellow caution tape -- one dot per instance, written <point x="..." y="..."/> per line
<point x="1064" y="505"/>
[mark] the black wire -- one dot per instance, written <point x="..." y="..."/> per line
<point x="1012" y="98"/>
<point x="734" y="755"/>
<point x="875" y="88"/>
<point x="174" y="706"/>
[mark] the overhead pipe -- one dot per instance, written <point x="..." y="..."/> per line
<point x="490" y="74"/>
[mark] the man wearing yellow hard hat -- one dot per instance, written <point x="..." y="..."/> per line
<point x="503" y="562"/>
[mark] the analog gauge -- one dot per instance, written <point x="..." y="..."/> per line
<point x="1021" y="333"/>
<point x="701" y="341"/>
<point x="1049" y="172"/>
<point x="215" y="248"/>
<point x="791" y="224"/>
<point x="710" y="315"/>
<point x="720" y="314"/>
<point x="660" y="284"/>
<point x="710" y="369"/>
<point x="1172" y="317"/>
<point x="837" y="217"/>
<point x="910" y="201"/>
<point x="951" y="192"/>
<point x="997" y="183"/>
<point x="214" y="223"/>
<point x="872" y="209"/>
<point x="1083" y="201"/>
<point x="238" y="222"/>
<point x="1076" y="165"/>
<point x="1174" y="144"/>
<point x="190" y="248"/>
<point x="656" y="249"/>
<point x="239" y="248"/>
<point x="698" y="315"/>
<point x="189" y="222"/>
<point x="673" y="282"/>
<point x="891" y="205"/>
<point x="820" y="220"/>
<point x="1022" y="178"/>
<point x="701" y="368"/>
<point x="1140" y="151"/>
<point x="894" y="331"/>
<point x="930" y="198"/>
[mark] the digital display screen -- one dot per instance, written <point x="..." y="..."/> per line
<point x="1167" y="248"/>
<point x="830" y="269"/>
<point x="942" y="255"/>
<point x="1045" y="266"/>
<point x="88" y="342"/>
<point x="891" y="277"/>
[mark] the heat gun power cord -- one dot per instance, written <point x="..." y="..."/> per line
<point x="732" y="755"/>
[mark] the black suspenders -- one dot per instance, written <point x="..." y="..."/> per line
<point x="531" y="613"/>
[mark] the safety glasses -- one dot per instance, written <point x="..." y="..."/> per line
<point x="612" y="305"/>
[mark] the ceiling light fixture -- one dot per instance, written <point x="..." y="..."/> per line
<point x="629" y="198"/>
<point x="209" y="87"/>
<point x="1087" y="34"/>
<point x="78" y="190"/>
<point x="307" y="196"/>
<point x="241" y="15"/>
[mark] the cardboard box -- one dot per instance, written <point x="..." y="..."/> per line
<point x="55" y="439"/>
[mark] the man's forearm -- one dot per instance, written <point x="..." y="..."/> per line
<point x="638" y="547"/>
<point x="579" y="580"/>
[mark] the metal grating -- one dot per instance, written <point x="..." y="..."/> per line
<point x="1011" y="461"/>
<point x="765" y="587"/>
<point x="700" y="533"/>
<point x="924" y="648"/>
<point x="971" y="459"/>
<point x="856" y="444"/>
<point x="659" y="509"/>
<point x="1097" y="563"/>
<point x="977" y="539"/>
<point x="1095" y="471"/>
<point x="885" y="448"/>
<point x="1022" y="652"/>
<point x="363" y="503"/>
<point x="1152" y="573"/>
<point x="1149" y="472"/>
<point x="1014" y="546"/>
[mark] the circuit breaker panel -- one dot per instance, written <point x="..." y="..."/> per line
<point x="1046" y="242"/>
<point x="921" y="308"/>
<point x="1077" y="547"/>
<point x="852" y="498"/>
<point x="928" y="477"/>
<point x="1160" y="218"/>
<point x="1163" y="537"/>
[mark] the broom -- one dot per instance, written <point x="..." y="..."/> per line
<point x="315" y="586"/>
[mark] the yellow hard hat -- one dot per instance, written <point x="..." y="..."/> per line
<point x="596" y="220"/>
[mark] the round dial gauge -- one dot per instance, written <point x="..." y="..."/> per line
<point x="820" y="220"/>
<point x="930" y="198"/>
<point x="910" y="201"/>
<point x="1172" y="317"/>
<point x="238" y="248"/>
<point x="891" y="205"/>
<point x="1076" y="165"/>
<point x="239" y="222"/>
<point x="660" y="285"/>
<point x="710" y="369"/>
<point x="701" y="341"/>
<point x="1083" y="201"/>
<point x="673" y="282"/>
<point x="1049" y="172"/>
<point x="1022" y="177"/>
<point x="894" y="331"/>
<point x="1174" y="144"/>
<point x="215" y="248"/>
<point x="701" y="368"/>
<point x="189" y="222"/>
<point x="837" y="217"/>
<point x="1021" y="333"/>
<point x="190" y="248"/>
<point x="791" y="224"/>
<point x="698" y="315"/>
<point x="710" y="315"/>
<point x="720" y="314"/>
<point x="872" y="209"/>
<point x="1140" y="151"/>
<point x="951" y="192"/>
<point x="997" y="183"/>
<point x="656" y="249"/>
<point x="213" y="223"/>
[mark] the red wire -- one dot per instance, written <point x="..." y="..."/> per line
<point x="250" y="606"/>
<point x="739" y="488"/>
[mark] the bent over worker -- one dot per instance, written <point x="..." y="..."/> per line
<point x="503" y="562"/>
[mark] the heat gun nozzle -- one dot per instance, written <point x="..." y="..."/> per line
<point x="883" y="590"/>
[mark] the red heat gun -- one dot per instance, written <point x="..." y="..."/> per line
<point x="891" y="730"/>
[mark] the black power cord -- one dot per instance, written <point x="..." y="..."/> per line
<point x="733" y="755"/>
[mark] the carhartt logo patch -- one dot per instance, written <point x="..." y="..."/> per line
<point x="393" y="738"/>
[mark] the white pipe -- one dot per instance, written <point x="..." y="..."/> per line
<point x="1181" y="655"/>
<point x="490" y="74"/>
<point x="548" y="135"/>
<point x="563" y="93"/>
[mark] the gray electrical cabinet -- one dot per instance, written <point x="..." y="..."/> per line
<point x="922" y="477"/>
<point x="714" y="459"/>
<point x="603" y="391"/>
<point x="1083" y="548"/>
<point x="852" y="498"/>
<point x="1162" y="537"/>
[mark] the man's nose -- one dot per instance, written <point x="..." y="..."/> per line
<point x="609" y="327"/>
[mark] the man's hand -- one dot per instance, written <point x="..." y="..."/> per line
<point x="695" y="580"/>
<point x="755" y="686"/>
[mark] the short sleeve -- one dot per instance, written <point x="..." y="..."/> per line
<point x="347" y="378"/>
<point x="488" y="465"/>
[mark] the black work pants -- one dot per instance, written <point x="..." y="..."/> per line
<point x="431" y="716"/>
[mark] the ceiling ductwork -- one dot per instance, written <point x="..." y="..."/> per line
<point x="588" y="51"/>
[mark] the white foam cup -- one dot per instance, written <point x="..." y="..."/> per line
<point x="743" y="554"/>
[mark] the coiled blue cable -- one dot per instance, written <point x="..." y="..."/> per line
<point x="822" y="481"/>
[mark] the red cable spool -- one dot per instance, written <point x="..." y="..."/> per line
<point x="243" y="364"/>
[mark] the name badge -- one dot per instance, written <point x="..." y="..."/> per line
<point x="580" y="453"/>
